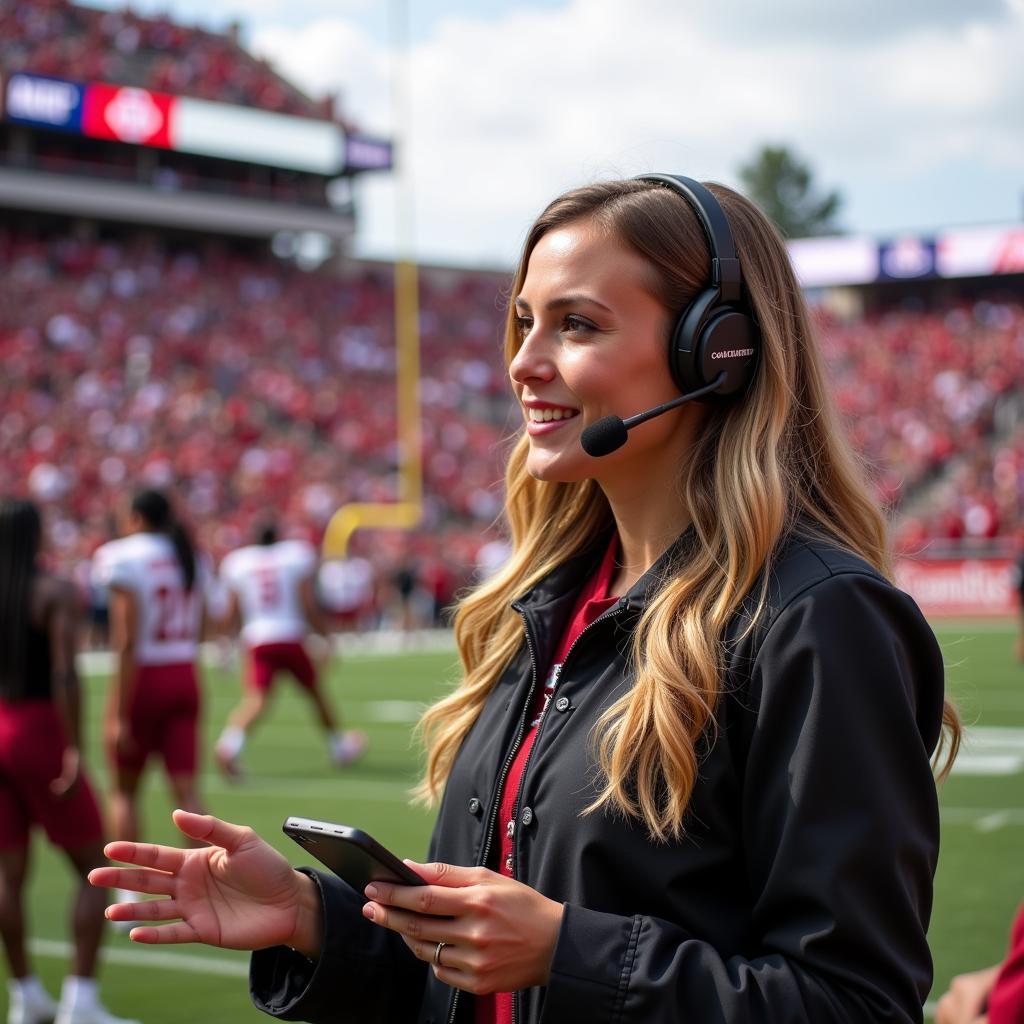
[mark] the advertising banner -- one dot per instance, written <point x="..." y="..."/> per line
<point x="257" y="136"/>
<point x="959" y="587"/>
<point x="142" y="117"/>
<point x="363" y="153"/>
<point x="44" y="102"/>
<point x="127" y="114"/>
<point x="979" y="252"/>
<point x="821" y="262"/>
<point x="903" y="259"/>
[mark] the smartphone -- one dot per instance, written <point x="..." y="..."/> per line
<point x="350" y="853"/>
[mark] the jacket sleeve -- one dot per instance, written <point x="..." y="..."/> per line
<point x="365" y="975"/>
<point x="839" y="819"/>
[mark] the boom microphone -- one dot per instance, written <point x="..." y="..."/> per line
<point x="611" y="433"/>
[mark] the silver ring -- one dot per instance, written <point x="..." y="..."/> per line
<point x="437" y="954"/>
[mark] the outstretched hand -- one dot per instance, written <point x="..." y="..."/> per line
<point x="236" y="893"/>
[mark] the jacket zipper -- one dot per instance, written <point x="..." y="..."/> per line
<point x="610" y="614"/>
<point x="502" y="776"/>
<point x="511" y="756"/>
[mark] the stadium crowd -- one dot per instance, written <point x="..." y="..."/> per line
<point x="920" y="389"/>
<point x="238" y="380"/>
<point x="56" y="37"/>
<point x="241" y="382"/>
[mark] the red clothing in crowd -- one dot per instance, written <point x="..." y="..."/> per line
<point x="1006" y="1000"/>
<point x="592" y="602"/>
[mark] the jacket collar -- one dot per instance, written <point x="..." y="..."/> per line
<point x="567" y="579"/>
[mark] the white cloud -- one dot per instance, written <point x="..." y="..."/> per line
<point x="848" y="22"/>
<point x="297" y="12"/>
<point x="331" y="55"/>
<point x="507" y="113"/>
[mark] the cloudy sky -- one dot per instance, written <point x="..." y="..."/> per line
<point x="912" y="109"/>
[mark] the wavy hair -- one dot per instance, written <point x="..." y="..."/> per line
<point x="759" y="464"/>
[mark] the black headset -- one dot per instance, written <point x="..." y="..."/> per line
<point x="716" y="333"/>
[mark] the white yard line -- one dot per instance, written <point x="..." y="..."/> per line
<point x="984" y="819"/>
<point x="991" y="750"/>
<point x="258" y="785"/>
<point x="993" y="822"/>
<point x="147" y="957"/>
<point x="346" y="645"/>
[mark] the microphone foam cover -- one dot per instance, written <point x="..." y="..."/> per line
<point x="604" y="436"/>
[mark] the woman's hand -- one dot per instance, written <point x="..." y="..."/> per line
<point x="499" y="934"/>
<point x="70" y="770"/>
<point x="967" y="998"/>
<point x="237" y="893"/>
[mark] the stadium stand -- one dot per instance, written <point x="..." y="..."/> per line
<point x="56" y="37"/>
<point x="920" y="389"/>
<point x="231" y="377"/>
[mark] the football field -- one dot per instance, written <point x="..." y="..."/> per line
<point x="981" y="871"/>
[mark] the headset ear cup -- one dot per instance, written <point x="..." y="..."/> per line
<point x="728" y="342"/>
<point x="684" y="360"/>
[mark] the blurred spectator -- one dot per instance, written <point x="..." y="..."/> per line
<point x="346" y="587"/>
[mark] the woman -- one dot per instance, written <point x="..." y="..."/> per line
<point x="156" y="611"/>
<point x="42" y="780"/>
<point x="719" y="806"/>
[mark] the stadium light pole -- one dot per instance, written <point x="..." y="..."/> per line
<point x="408" y="510"/>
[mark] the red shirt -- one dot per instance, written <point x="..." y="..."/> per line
<point x="1006" y="1000"/>
<point x="591" y="603"/>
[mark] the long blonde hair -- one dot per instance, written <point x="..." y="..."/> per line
<point x="760" y="463"/>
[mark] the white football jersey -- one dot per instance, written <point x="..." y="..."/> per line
<point x="169" y="618"/>
<point x="266" y="579"/>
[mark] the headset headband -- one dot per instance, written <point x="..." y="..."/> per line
<point x="725" y="267"/>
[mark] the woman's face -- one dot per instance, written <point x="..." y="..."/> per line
<point x="593" y="343"/>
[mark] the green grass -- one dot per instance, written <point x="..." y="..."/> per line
<point x="980" y="879"/>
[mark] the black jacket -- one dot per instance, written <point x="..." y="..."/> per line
<point x="802" y="889"/>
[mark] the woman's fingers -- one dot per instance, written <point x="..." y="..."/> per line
<point x="156" y="883"/>
<point x="439" y="900"/>
<point x="452" y="967"/>
<point x="453" y="957"/>
<point x="167" y="933"/>
<point x="146" y="855"/>
<point x="212" y="830"/>
<point x="412" y="925"/>
<point x="450" y="875"/>
<point x="144" y="910"/>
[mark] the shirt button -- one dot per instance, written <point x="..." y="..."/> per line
<point x="508" y="863"/>
<point x="474" y="807"/>
<point x="562" y="704"/>
<point x="510" y="828"/>
<point x="527" y="816"/>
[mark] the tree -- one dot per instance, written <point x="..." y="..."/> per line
<point x="782" y="185"/>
